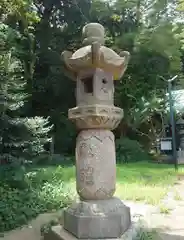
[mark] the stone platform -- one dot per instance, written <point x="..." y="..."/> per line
<point x="96" y="219"/>
<point x="59" y="233"/>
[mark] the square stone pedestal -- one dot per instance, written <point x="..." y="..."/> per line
<point x="59" y="233"/>
<point x="102" y="219"/>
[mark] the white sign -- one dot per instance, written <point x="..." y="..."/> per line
<point x="166" y="145"/>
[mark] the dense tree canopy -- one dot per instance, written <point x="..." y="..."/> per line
<point x="33" y="35"/>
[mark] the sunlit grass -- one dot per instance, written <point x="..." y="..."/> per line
<point x="139" y="192"/>
<point x="143" y="182"/>
<point x="177" y="196"/>
<point x="53" y="188"/>
<point x="164" y="209"/>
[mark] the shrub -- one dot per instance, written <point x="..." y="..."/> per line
<point x="128" y="150"/>
<point x="53" y="160"/>
<point x="146" y="234"/>
<point x="18" y="206"/>
<point x="14" y="175"/>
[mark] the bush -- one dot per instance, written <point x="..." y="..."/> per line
<point x="14" y="175"/>
<point x="53" y="160"/>
<point x="146" y="234"/>
<point x="128" y="150"/>
<point x="47" y="191"/>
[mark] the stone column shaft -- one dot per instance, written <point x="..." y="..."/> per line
<point x="95" y="164"/>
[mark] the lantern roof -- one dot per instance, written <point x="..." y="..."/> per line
<point x="95" y="55"/>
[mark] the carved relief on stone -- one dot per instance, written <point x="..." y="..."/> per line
<point x="96" y="117"/>
<point x="106" y="122"/>
<point x="86" y="175"/>
<point x="95" y="164"/>
<point x="103" y="193"/>
<point x="95" y="110"/>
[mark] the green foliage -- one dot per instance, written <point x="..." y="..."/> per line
<point x="14" y="174"/>
<point x="65" y="128"/>
<point x="164" y="209"/>
<point x="21" y="138"/>
<point x="17" y="207"/>
<point x="146" y="234"/>
<point x="53" y="160"/>
<point x="128" y="150"/>
<point x="146" y="30"/>
<point x="47" y="191"/>
<point x="38" y="129"/>
<point x="46" y="228"/>
<point x="141" y="27"/>
<point x="180" y="5"/>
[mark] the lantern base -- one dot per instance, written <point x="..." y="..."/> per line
<point x="59" y="233"/>
<point x="97" y="219"/>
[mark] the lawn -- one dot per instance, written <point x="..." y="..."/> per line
<point x="135" y="181"/>
<point x="51" y="188"/>
<point x="146" y="182"/>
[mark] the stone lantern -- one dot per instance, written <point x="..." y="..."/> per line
<point x="94" y="67"/>
<point x="180" y="129"/>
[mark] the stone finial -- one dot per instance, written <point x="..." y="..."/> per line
<point x="94" y="55"/>
<point x="93" y="32"/>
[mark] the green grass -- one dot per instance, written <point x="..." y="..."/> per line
<point x="51" y="188"/>
<point x="135" y="181"/>
<point x="177" y="196"/>
<point x="164" y="209"/>
<point x="145" y="182"/>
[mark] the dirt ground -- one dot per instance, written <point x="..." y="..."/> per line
<point x="32" y="231"/>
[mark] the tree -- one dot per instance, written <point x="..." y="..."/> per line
<point x="20" y="137"/>
<point x="53" y="92"/>
<point x="145" y="29"/>
<point x="46" y="28"/>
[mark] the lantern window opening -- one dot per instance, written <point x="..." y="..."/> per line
<point x="88" y="84"/>
<point x="104" y="81"/>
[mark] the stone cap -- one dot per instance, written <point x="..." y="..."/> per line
<point x="96" y="116"/>
<point x="94" y="55"/>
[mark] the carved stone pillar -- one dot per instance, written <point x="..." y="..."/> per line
<point x="95" y="164"/>
<point x="98" y="215"/>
